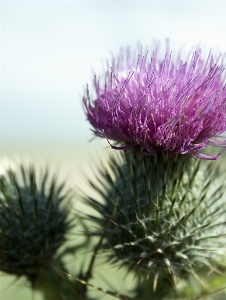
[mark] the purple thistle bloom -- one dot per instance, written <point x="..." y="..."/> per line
<point x="153" y="104"/>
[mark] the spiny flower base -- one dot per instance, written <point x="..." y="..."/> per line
<point x="164" y="219"/>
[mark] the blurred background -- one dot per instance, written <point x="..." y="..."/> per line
<point x="48" y="49"/>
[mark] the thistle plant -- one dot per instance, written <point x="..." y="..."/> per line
<point x="158" y="207"/>
<point x="163" y="207"/>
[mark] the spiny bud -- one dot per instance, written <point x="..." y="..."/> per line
<point x="33" y="221"/>
<point x="160" y="215"/>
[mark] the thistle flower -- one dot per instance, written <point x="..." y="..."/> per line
<point x="157" y="104"/>
<point x="33" y="222"/>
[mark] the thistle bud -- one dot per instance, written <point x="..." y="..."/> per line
<point x="33" y="221"/>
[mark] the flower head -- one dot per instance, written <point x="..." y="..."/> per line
<point x="160" y="104"/>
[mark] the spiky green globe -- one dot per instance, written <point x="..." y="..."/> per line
<point x="160" y="215"/>
<point x="33" y="221"/>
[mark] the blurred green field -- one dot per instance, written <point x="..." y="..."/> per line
<point x="13" y="289"/>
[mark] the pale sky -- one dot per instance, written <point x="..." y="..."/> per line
<point x="49" y="47"/>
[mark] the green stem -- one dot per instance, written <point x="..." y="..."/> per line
<point x="57" y="285"/>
